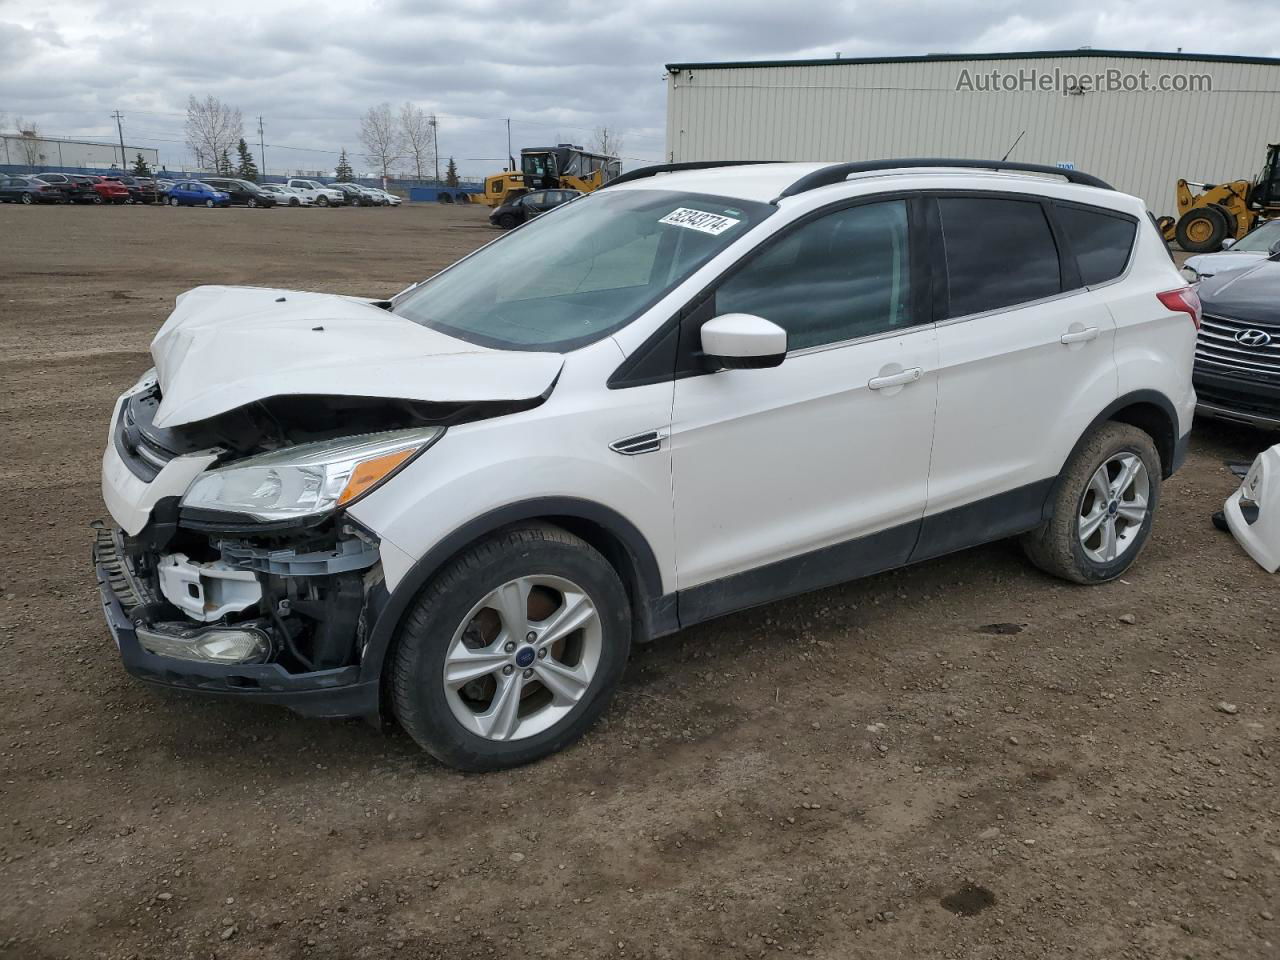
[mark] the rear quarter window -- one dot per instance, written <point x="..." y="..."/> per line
<point x="1101" y="241"/>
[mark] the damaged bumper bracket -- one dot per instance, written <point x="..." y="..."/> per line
<point x="338" y="692"/>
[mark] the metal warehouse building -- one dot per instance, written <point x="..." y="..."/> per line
<point x="1138" y="120"/>
<point x="20" y="152"/>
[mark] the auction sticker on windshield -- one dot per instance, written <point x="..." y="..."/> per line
<point x="712" y="223"/>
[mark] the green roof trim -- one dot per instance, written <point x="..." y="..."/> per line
<point x="961" y="57"/>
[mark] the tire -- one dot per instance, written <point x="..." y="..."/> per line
<point x="173" y="201"/>
<point x="322" y="201"/>
<point x="295" y="202"/>
<point x="450" y="723"/>
<point x="97" y="199"/>
<point x="507" y="221"/>
<point x="251" y="202"/>
<point x="1059" y="546"/>
<point x="1201" y="230"/>
<point x="26" y="198"/>
<point x="210" y="204"/>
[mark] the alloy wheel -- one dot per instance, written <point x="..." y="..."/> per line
<point x="523" y="658"/>
<point x="1113" y="507"/>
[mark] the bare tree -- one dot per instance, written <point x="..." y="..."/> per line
<point x="213" y="128"/>
<point x="418" y="135"/>
<point x="380" y="136"/>
<point x="29" y="138"/>
<point x="607" y="141"/>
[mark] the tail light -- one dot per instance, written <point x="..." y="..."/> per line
<point x="1183" y="300"/>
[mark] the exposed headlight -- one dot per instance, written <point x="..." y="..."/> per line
<point x="1190" y="274"/>
<point x="309" y="479"/>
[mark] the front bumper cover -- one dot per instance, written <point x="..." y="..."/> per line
<point x="340" y="692"/>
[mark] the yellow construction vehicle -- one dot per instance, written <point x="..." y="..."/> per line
<point x="1224" y="211"/>
<point x="563" y="166"/>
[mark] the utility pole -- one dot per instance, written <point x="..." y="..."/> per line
<point x="120" y="130"/>
<point x="435" y="145"/>
<point x="262" y="150"/>
<point x="511" y="157"/>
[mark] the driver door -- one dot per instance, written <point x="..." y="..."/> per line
<point x="813" y="472"/>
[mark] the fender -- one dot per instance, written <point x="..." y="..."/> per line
<point x="1172" y="447"/>
<point x="388" y="608"/>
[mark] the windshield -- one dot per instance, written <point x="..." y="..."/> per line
<point x="1260" y="239"/>
<point x="538" y="165"/>
<point x="580" y="272"/>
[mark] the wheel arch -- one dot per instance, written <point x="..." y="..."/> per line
<point x="1148" y="410"/>
<point x="616" y="537"/>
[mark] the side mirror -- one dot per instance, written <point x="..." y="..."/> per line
<point x="1228" y="243"/>
<point x="1274" y="251"/>
<point x="742" y="341"/>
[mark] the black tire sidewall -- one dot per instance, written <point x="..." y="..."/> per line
<point x="420" y="700"/>
<point x="1096" y="572"/>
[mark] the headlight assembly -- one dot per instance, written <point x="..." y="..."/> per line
<point x="310" y="479"/>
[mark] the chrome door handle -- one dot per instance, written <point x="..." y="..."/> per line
<point x="1080" y="336"/>
<point x="910" y="375"/>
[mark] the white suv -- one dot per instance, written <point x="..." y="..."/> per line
<point x="317" y="193"/>
<point x="694" y="391"/>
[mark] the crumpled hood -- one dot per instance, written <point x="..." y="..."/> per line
<point x="224" y="347"/>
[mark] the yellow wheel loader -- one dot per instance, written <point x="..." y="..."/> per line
<point x="1224" y="211"/>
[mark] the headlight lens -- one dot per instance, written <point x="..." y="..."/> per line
<point x="309" y="479"/>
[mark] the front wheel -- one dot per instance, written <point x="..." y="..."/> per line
<point x="209" y="203"/>
<point x="1103" y="508"/>
<point x="251" y="202"/>
<point x="322" y="201"/>
<point x="173" y="201"/>
<point x="507" y="221"/>
<point x="295" y="203"/>
<point x="513" y="651"/>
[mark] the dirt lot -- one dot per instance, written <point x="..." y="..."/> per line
<point x="962" y="759"/>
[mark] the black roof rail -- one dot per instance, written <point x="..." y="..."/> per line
<point x="838" y="172"/>
<point x="643" y="172"/>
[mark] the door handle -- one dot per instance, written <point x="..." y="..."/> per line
<point x="910" y="375"/>
<point x="1080" y="336"/>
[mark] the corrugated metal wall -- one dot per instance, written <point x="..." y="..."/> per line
<point x="1140" y="142"/>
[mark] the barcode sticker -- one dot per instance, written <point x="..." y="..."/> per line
<point x="712" y="223"/>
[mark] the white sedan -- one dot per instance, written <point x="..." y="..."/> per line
<point x="286" y="197"/>
<point x="1235" y="255"/>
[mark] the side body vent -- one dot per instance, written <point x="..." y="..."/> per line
<point x="648" y="442"/>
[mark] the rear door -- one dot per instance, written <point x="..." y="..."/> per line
<point x="1026" y="362"/>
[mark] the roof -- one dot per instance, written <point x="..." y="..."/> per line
<point x="952" y="57"/>
<point x="766" y="182"/>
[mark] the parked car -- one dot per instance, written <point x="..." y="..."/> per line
<point x="243" y="193"/>
<point x="460" y="502"/>
<point x="140" y="189"/>
<point x="529" y="205"/>
<point x="1237" y="369"/>
<point x="390" y="199"/>
<point x="355" y="195"/>
<point x="318" y="193"/>
<point x="28" y="190"/>
<point x="190" y="193"/>
<point x="164" y="186"/>
<point x="70" y="190"/>
<point x="109" y="191"/>
<point x="86" y="184"/>
<point x="286" y="197"/>
<point x="1258" y="243"/>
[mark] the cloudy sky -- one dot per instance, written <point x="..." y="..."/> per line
<point x="555" y="69"/>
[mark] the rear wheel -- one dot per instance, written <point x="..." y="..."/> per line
<point x="173" y="201"/>
<point x="513" y="651"/>
<point x="1103" y="509"/>
<point x="295" y="202"/>
<point x="1201" y="230"/>
<point x="26" y="198"/>
<point x="209" y="203"/>
<point x="251" y="202"/>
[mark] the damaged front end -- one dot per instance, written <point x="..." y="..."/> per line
<point x="232" y="566"/>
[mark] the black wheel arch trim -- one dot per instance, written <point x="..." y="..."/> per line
<point x="1172" y="446"/>
<point x="656" y="614"/>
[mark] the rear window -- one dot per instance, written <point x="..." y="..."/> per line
<point x="999" y="253"/>
<point x="1101" y="241"/>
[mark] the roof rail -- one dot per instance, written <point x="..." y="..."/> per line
<point x="643" y="172"/>
<point x="838" y="172"/>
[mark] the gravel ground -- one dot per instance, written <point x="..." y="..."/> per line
<point x="960" y="759"/>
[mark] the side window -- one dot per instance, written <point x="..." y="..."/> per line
<point x="1100" y="241"/>
<point x="843" y="276"/>
<point x="999" y="253"/>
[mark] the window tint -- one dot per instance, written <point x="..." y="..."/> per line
<point x="999" y="253"/>
<point x="846" y="275"/>
<point x="1101" y="242"/>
